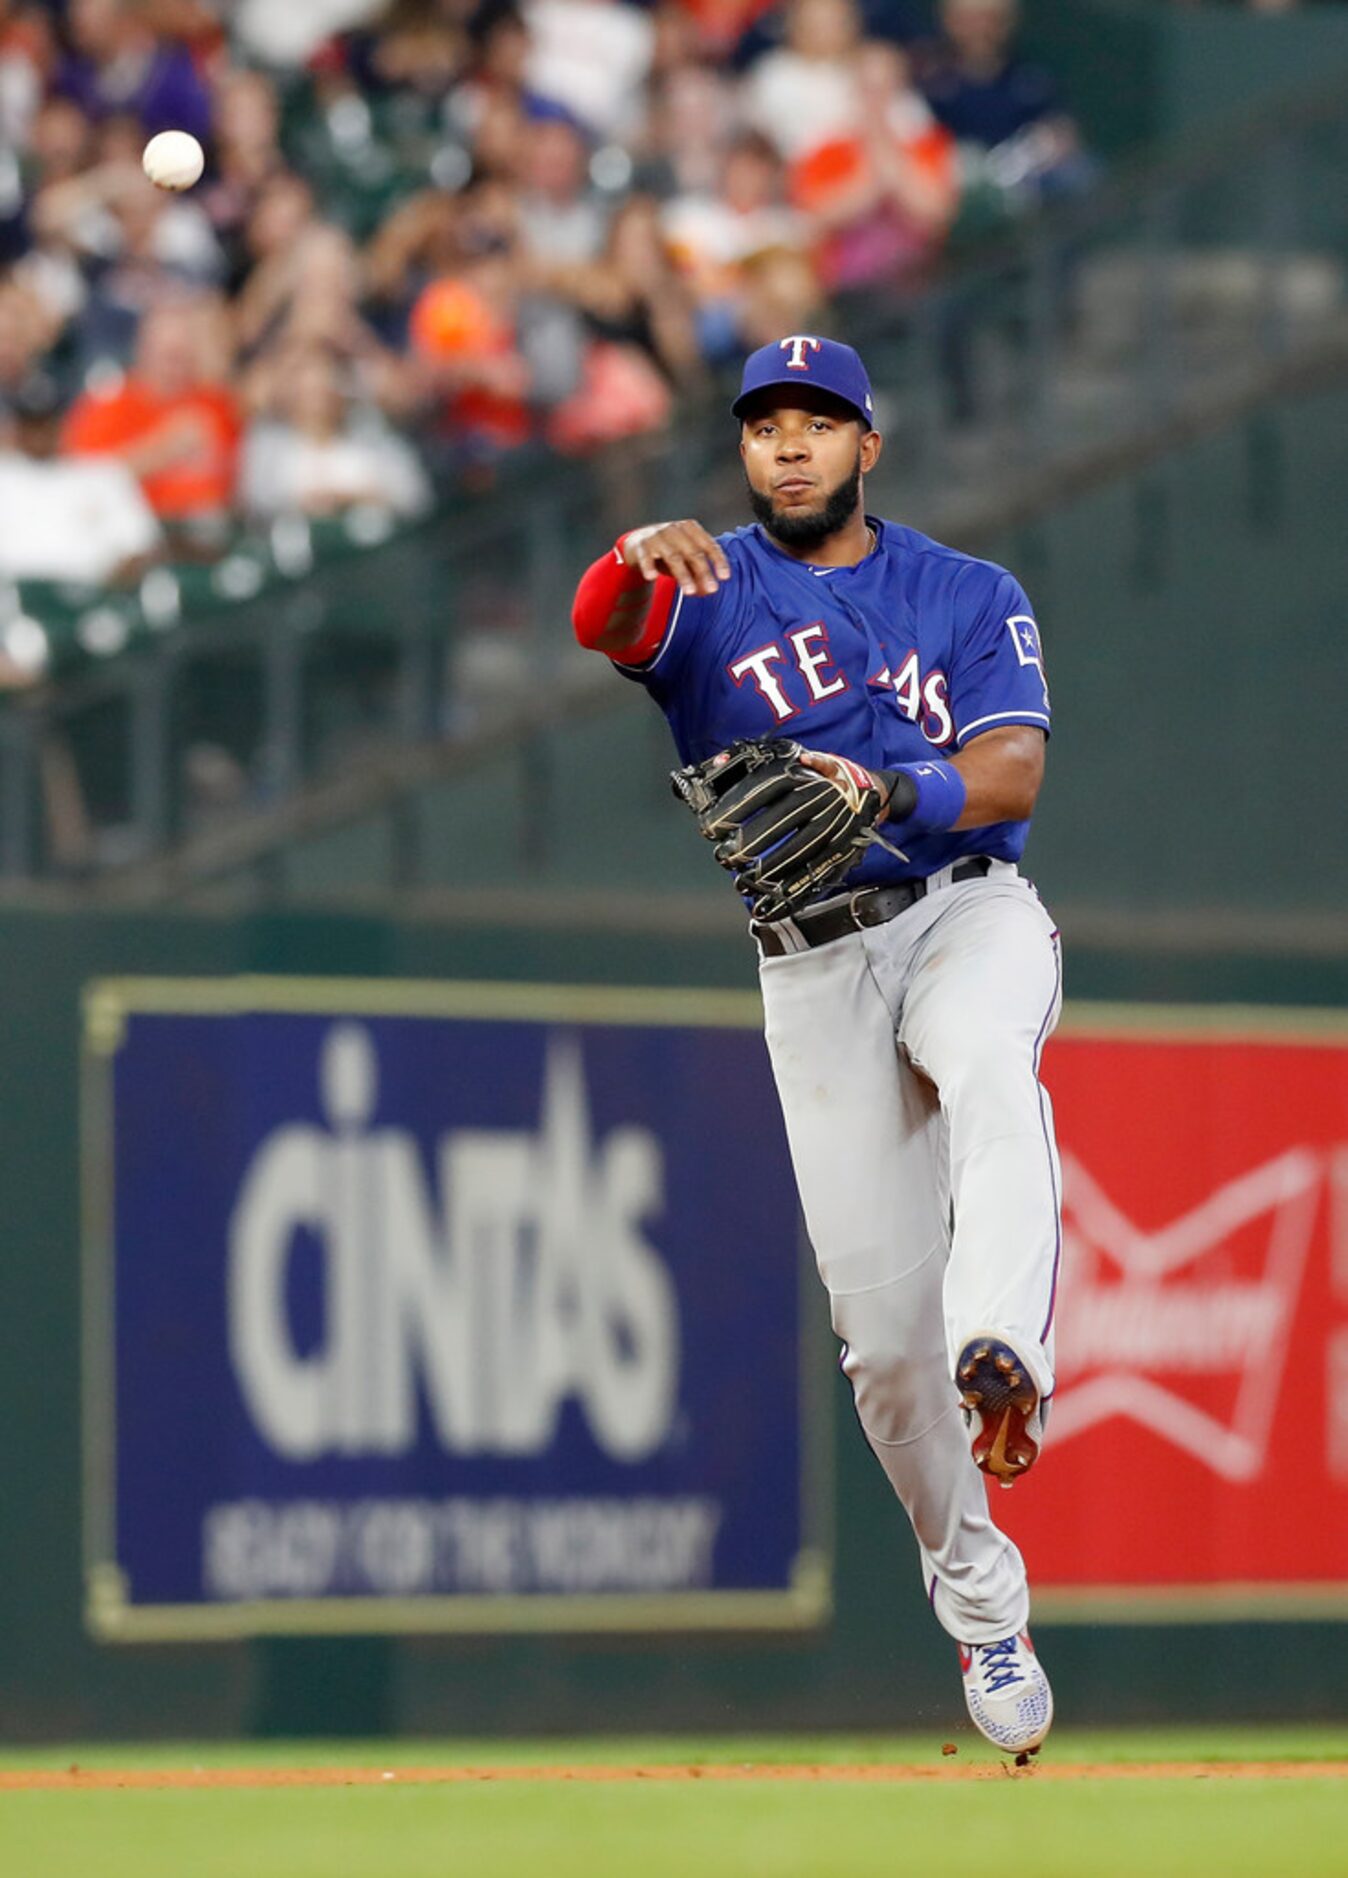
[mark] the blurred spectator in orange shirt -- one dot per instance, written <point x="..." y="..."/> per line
<point x="883" y="196"/>
<point x="172" y="420"/>
<point x="464" y="332"/>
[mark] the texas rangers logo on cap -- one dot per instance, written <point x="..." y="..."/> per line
<point x="796" y="345"/>
<point x="826" y="364"/>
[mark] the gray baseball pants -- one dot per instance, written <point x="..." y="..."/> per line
<point x="906" y="1057"/>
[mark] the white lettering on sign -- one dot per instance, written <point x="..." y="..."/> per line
<point x="517" y="1280"/>
<point x="410" y="1548"/>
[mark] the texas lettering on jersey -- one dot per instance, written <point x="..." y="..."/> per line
<point x="924" y="700"/>
<point x="915" y="650"/>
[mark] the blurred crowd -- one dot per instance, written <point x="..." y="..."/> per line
<point x="437" y="233"/>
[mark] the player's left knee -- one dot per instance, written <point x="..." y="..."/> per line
<point x="895" y="1362"/>
<point x="897" y="1401"/>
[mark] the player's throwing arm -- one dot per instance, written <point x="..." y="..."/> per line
<point x="630" y="593"/>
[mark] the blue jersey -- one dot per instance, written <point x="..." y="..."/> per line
<point x="916" y="649"/>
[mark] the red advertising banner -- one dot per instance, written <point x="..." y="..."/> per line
<point x="1197" y="1453"/>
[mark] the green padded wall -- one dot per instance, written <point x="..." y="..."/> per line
<point x="882" y="1663"/>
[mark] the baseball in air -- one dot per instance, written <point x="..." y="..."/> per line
<point x="174" y="159"/>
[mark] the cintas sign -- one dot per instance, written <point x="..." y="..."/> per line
<point x="433" y="1306"/>
<point x="509" y="1274"/>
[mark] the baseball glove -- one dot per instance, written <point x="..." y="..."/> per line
<point x="784" y="831"/>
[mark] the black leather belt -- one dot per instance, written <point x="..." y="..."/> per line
<point x="868" y="906"/>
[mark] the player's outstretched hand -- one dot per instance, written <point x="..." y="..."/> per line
<point x="683" y="550"/>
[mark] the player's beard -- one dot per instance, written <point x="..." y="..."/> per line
<point x="808" y="528"/>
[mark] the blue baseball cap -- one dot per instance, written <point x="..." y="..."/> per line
<point x="801" y="359"/>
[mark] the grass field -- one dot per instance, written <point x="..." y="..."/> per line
<point x="681" y="1808"/>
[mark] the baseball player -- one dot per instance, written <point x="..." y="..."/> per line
<point x="863" y="715"/>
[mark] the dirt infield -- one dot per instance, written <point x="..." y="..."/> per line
<point x="77" y="1779"/>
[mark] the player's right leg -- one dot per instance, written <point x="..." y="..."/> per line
<point x="867" y="1145"/>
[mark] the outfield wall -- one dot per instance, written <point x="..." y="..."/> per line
<point x="879" y="1662"/>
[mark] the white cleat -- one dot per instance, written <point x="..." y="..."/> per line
<point x="1007" y="1693"/>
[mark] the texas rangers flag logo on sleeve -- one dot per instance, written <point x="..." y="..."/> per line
<point x="1025" y="637"/>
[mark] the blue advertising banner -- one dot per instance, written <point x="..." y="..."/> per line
<point x="432" y="1306"/>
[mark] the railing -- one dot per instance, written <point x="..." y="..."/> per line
<point x="203" y="693"/>
<point x="208" y="693"/>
